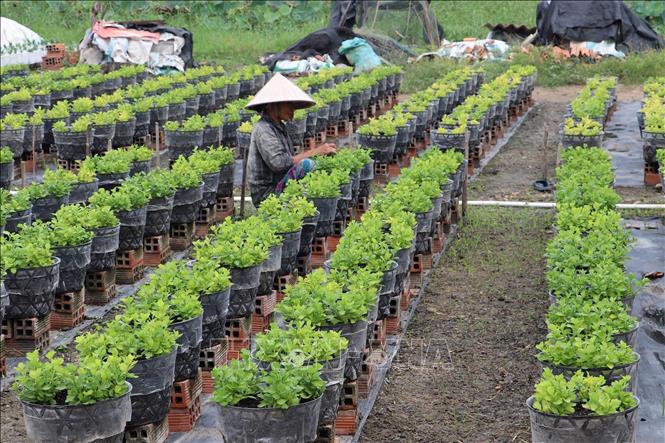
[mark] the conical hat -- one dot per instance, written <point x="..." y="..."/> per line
<point x="279" y="89"/>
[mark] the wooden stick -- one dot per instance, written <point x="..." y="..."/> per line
<point x="34" y="153"/>
<point x="159" y="155"/>
<point x="545" y="156"/>
<point x="244" y="180"/>
<point x="464" y="185"/>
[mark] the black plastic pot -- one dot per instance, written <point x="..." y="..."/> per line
<point x="42" y="100"/>
<point x="322" y="118"/>
<point x="356" y="334"/>
<point x="73" y="263"/>
<point x="124" y="133"/>
<point x="402" y="140"/>
<point x="206" y="103"/>
<point x="38" y="131"/>
<point x="311" y="123"/>
<point x="386" y="291"/>
<point x="48" y="129"/>
<point x="290" y="250"/>
<point x="571" y="141"/>
<point x="295" y="424"/>
<point x="269" y="269"/>
<point x="232" y="92"/>
<point x="132" y="225"/>
<point x="220" y="96"/>
<point x="138" y="167"/>
<point x="210" y="186"/>
<point x="225" y="186"/>
<point x="31" y="291"/>
<point x="246" y="87"/>
<point x="43" y="208"/>
<point x="215" y="306"/>
<point x="100" y="421"/>
<point x="158" y="216"/>
<point x="72" y="145"/>
<point x="296" y="130"/>
<point x="367" y="171"/>
<point x="307" y="235"/>
<point x="110" y="181"/>
<point x="382" y="148"/>
<point x="229" y="133"/>
<point x="192" y="106"/>
<point x="333" y="374"/>
<point x="549" y="428"/>
<point x="151" y="389"/>
<point x="159" y="115"/>
<point x="182" y="142"/>
<point x="189" y="347"/>
<point x="104" y="246"/>
<point x="327" y="208"/>
<point x="177" y="111"/>
<point x="447" y="141"/>
<point x="81" y="192"/>
<point x="186" y="204"/>
<point x="243" y="290"/>
<point x="142" y="127"/>
<point x="101" y="136"/>
<point x="213" y="136"/>
<point x="6" y="174"/>
<point x="15" y="219"/>
<point x="242" y="143"/>
<point x="13" y="138"/>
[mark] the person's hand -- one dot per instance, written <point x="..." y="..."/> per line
<point x="326" y="149"/>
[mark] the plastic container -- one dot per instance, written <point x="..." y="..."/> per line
<point x="186" y="204"/>
<point x="31" y="291"/>
<point x="73" y="263"/>
<point x="132" y="225"/>
<point x="158" y="216"/>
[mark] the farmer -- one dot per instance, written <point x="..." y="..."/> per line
<point x="271" y="163"/>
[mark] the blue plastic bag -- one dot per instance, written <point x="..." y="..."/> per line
<point x="360" y="54"/>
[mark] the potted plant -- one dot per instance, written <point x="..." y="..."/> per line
<point x="160" y="110"/>
<point x="380" y="135"/>
<point x="57" y="112"/>
<point x="142" y="112"/>
<point x="15" y="209"/>
<point x="185" y="315"/>
<point x="282" y="404"/>
<point x="244" y="135"/>
<point x="73" y="143"/>
<point x="182" y="139"/>
<point x="159" y="185"/>
<point x="140" y="158"/>
<point x="583" y="132"/>
<point x="6" y="167"/>
<point x="323" y="189"/>
<point x="219" y="84"/>
<point x="294" y="201"/>
<point x="287" y="222"/>
<point x="90" y="399"/>
<point x="128" y="202"/>
<point x="212" y="284"/>
<point x="242" y="247"/>
<point x="147" y="337"/>
<point x="206" y="98"/>
<point x="61" y="91"/>
<point x="226" y="170"/>
<point x="177" y="105"/>
<point x="209" y="168"/>
<point x="188" y="192"/>
<point x="103" y="131"/>
<point x="192" y="100"/>
<point x="12" y="132"/>
<point x="34" y="129"/>
<point x="583" y="409"/>
<point x="22" y="101"/>
<point x="309" y="345"/>
<point x="125" y="126"/>
<point x="325" y="304"/>
<point x="233" y="88"/>
<point x="30" y="272"/>
<point x="105" y="228"/>
<point x="111" y="168"/>
<point x="81" y="107"/>
<point x="48" y="196"/>
<point x="595" y="353"/>
<point x="71" y="244"/>
<point x="214" y="129"/>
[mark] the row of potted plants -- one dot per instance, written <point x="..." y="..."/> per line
<point x="586" y="115"/>
<point x="586" y="390"/>
<point x="651" y="120"/>
<point x="478" y="113"/>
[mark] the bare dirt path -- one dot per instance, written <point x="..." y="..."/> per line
<point x="486" y="304"/>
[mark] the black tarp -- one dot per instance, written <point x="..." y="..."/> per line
<point x="321" y="42"/>
<point x="187" y="51"/>
<point x="562" y="21"/>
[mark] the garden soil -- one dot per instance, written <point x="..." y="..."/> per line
<point x="467" y="363"/>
